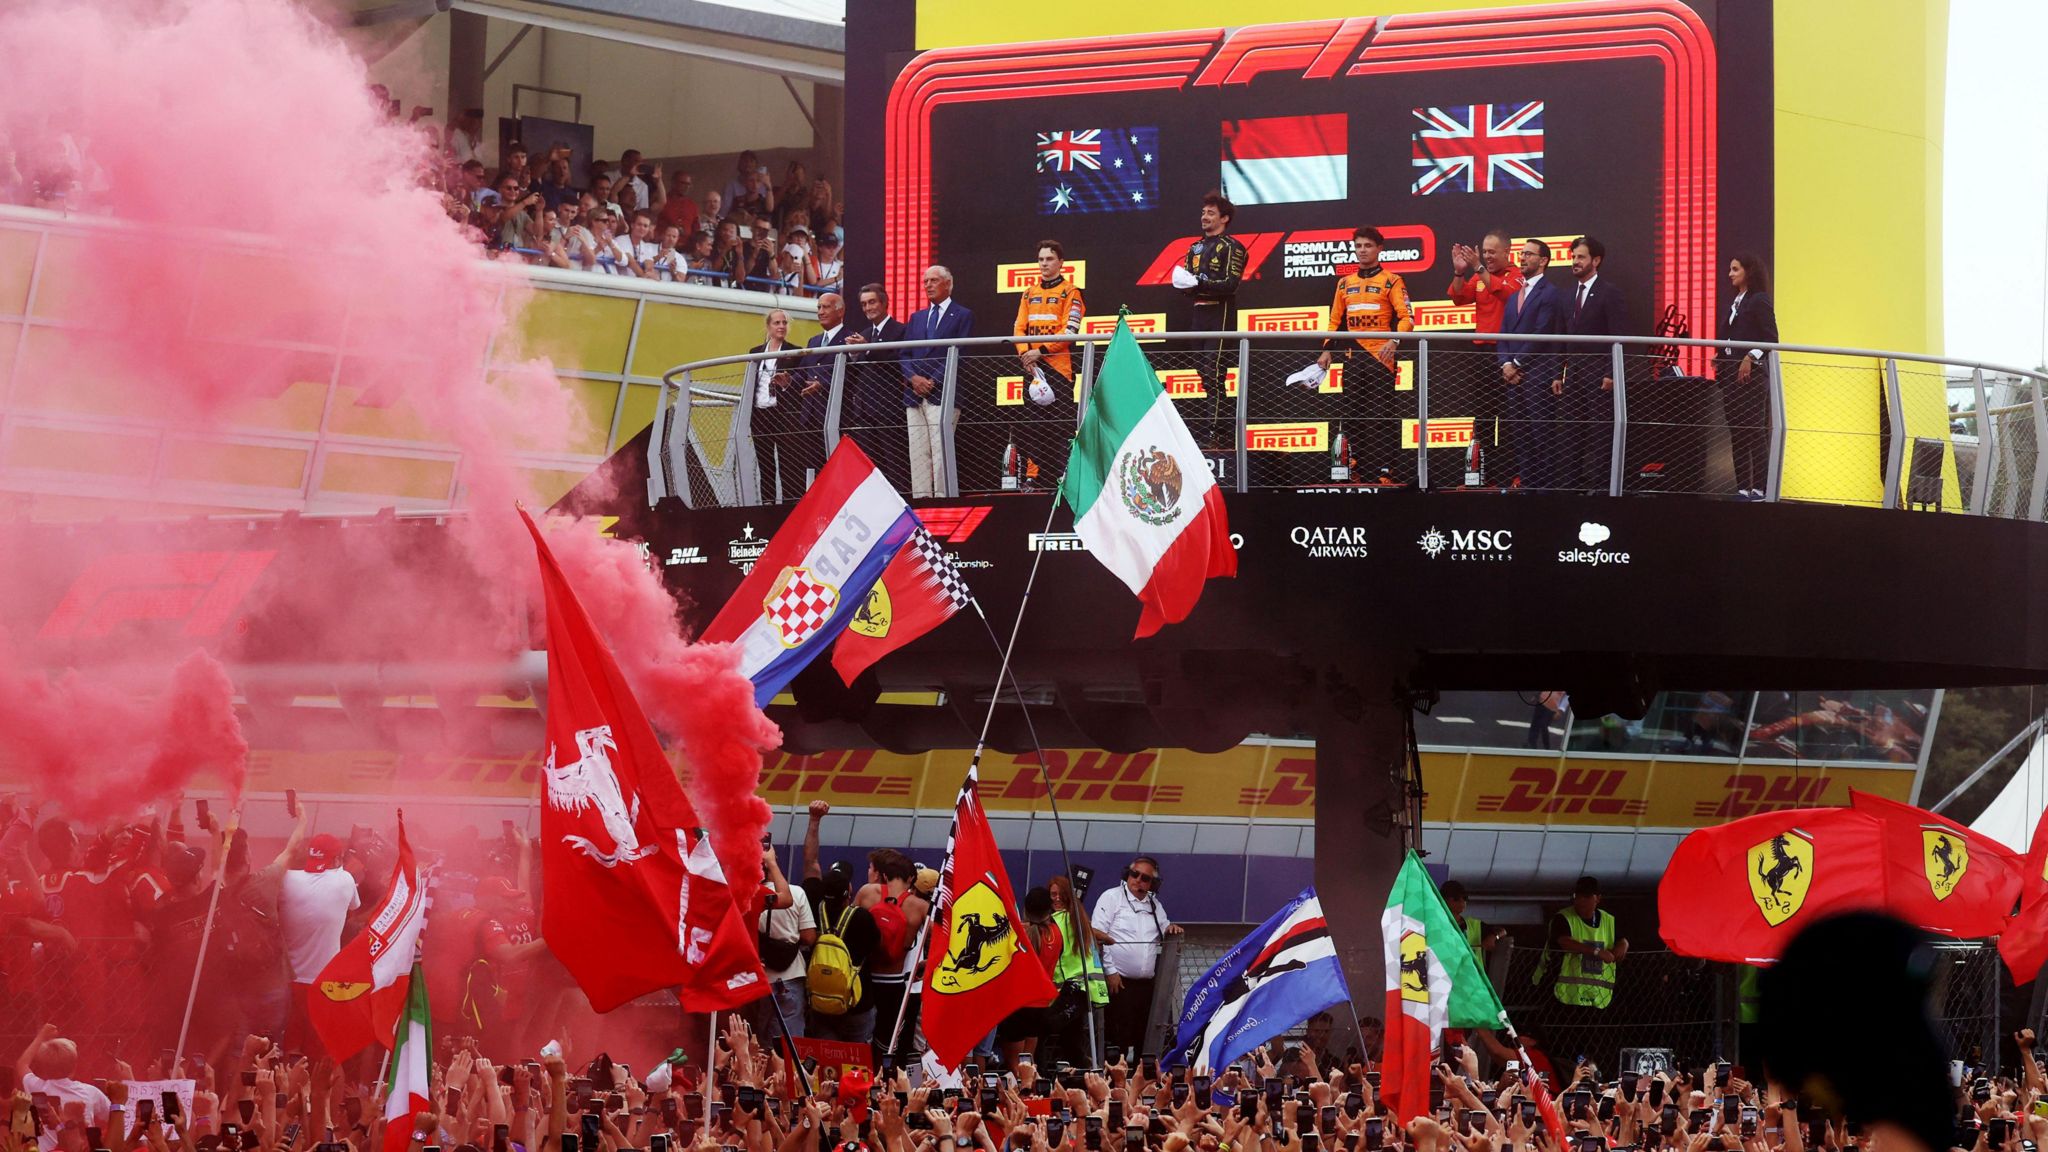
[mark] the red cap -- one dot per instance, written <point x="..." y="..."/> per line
<point x="854" y="1083"/>
<point x="322" y="852"/>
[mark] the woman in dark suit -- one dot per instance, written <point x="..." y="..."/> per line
<point x="1742" y="374"/>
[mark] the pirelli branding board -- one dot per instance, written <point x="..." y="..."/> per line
<point x="1442" y="316"/>
<point x="1018" y="277"/>
<point x="1186" y="383"/>
<point x="1297" y="436"/>
<point x="1309" y="318"/>
<point x="1480" y="786"/>
<point x="1010" y="389"/>
<point x="1444" y="432"/>
<point x="1141" y="323"/>
<point x="1560" y="246"/>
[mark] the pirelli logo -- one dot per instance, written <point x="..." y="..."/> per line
<point x="1010" y="390"/>
<point x="1444" y="432"/>
<point x="1301" y="436"/>
<point x="1442" y="316"/>
<point x="1308" y="319"/>
<point x="1018" y="277"/>
<point x="1141" y="323"/>
<point x="1560" y="246"/>
<point x="1186" y="383"/>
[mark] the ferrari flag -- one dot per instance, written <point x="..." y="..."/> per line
<point x="979" y="967"/>
<point x="1433" y="983"/>
<point x="1741" y="891"/>
<point x="2024" y="942"/>
<point x="1939" y="874"/>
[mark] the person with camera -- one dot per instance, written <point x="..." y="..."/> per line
<point x="1129" y="922"/>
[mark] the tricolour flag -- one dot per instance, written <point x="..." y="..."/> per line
<point x="1286" y="159"/>
<point x="1741" y="891"/>
<point x="359" y="996"/>
<point x="1283" y="973"/>
<point x="1478" y="148"/>
<point x="816" y="573"/>
<point x="635" y="900"/>
<point x="1939" y="874"/>
<point x="920" y="590"/>
<point x="407" y="1089"/>
<point x="1433" y="982"/>
<point x="2024" y="942"/>
<point x="1143" y="498"/>
<point x="980" y="968"/>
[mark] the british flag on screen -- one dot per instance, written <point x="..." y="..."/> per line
<point x="1478" y="148"/>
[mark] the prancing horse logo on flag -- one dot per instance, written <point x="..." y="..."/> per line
<point x="1947" y="859"/>
<point x="1780" y="871"/>
<point x="873" y="617"/>
<point x="798" y="605"/>
<point x="1415" y="968"/>
<point x="981" y="944"/>
<point x="591" y="782"/>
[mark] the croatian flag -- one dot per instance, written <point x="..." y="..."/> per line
<point x="816" y="572"/>
<point x="1285" y="159"/>
<point x="1283" y="973"/>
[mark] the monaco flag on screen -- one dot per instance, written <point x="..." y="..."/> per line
<point x="1286" y="159"/>
<point x="1939" y="874"/>
<point x="360" y="995"/>
<point x="1741" y="891"/>
<point x="635" y="901"/>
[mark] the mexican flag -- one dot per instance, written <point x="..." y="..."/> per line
<point x="1433" y="982"/>
<point x="407" y="1090"/>
<point x="1143" y="499"/>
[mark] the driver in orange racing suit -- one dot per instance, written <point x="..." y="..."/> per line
<point x="1370" y="299"/>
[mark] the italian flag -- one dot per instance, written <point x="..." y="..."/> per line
<point x="407" y="1092"/>
<point x="1433" y="982"/>
<point x="1143" y="499"/>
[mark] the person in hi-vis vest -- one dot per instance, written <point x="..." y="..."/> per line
<point x="1592" y="947"/>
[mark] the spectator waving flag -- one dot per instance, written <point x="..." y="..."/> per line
<point x="1433" y="982"/>
<point x="361" y="993"/>
<point x="979" y="967"/>
<point x="920" y="590"/>
<point x="816" y="573"/>
<point x="1283" y="973"/>
<point x="1098" y="170"/>
<point x="1478" y="148"/>
<point x="634" y="899"/>
<point x="1143" y="498"/>
<point x="408" y="1088"/>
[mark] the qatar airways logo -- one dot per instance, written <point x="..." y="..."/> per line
<point x="1592" y="536"/>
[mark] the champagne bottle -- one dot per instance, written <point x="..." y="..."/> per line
<point x="1012" y="465"/>
<point x="1340" y="456"/>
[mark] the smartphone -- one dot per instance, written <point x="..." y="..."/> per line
<point x="291" y="803"/>
<point x="1997" y="1130"/>
<point x="1528" y="1113"/>
<point x="1606" y="1109"/>
<point x="747" y="1099"/>
<point x="1150" y="1067"/>
<point x="570" y="1142"/>
<point x="1310" y="1141"/>
<point x="1055" y="1128"/>
<point x="1980" y="1091"/>
<point x="593" y="1128"/>
<point x="1134" y="1138"/>
<point x="1656" y="1092"/>
<point x="1669" y="1119"/>
<point x="200" y="815"/>
<point x="1094" y="1133"/>
<point x="1592" y="1143"/>
<point x="1731" y="1109"/>
<point x="94" y="1139"/>
<point x="1750" y="1117"/>
<point x="501" y="1137"/>
<point x="1724" y="1071"/>
<point x="1180" y="1093"/>
<point x="658" y="1142"/>
<point x="1373" y="1078"/>
<point x="1475" y="1119"/>
<point x="1116" y="1113"/>
<point x="454" y="1101"/>
<point x="670" y="1112"/>
<point x="1248" y="1106"/>
<point x="1577" y="1104"/>
<point x="1375" y="1131"/>
<point x="1273" y="1090"/>
<point x="616" y="1102"/>
<point x="1204" y="1091"/>
<point x="988" y="1099"/>
<point x="1701" y="1117"/>
<point x="291" y="1135"/>
<point x="145" y="1110"/>
<point x="919" y="1120"/>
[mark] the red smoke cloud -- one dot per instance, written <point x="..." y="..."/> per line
<point x="273" y="208"/>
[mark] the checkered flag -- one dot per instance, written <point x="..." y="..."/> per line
<point x="920" y="590"/>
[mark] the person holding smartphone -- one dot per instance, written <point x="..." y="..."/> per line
<point x="45" y="1068"/>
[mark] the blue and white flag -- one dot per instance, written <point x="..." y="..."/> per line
<point x="1098" y="170"/>
<point x="1283" y="973"/>
<point x="816" y="572"/>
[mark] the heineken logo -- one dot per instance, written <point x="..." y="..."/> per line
<point x="1149" y="481"/>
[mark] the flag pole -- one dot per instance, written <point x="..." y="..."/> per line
<point x="914" y="972"/>
<point x="220" y="875"/>
<point x="711" y="1061"/>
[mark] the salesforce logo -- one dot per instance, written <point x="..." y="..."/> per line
<point x="1592" y="535"/>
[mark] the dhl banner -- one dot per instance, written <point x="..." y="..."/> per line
<point x="1018" y="277"/>
<point x="1444" y="432"/>
<point x="1251" y="781"/>
<point x="1442" y="316"/>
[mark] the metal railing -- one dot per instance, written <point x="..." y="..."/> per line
<point x="1587" y="414"/>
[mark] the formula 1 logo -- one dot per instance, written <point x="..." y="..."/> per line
<point x="200" y="588"/>
<point x="954" y="525"/>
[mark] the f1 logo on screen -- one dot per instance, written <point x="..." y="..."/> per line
<point x="202" y="589"/>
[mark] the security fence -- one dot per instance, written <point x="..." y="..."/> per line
<point x="1583" y="414"/>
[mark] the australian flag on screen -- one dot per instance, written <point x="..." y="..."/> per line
<point x="1478" y="148"/>
<point x="1098" y="170"/>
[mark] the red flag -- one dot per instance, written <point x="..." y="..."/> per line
<point x="1544" y="1104"/>
<point x="635" y="899"/>
<point x="918" y="591"/>
<point x="359" y="996"/>
<point x="980" y="967"/>
<point x="2024" y="943"/>
<point x="1740" y="891"/>
<point x="1939" y="874"/>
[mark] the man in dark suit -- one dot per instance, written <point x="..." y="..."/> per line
<point x="1585" y="432"/>
<point x="1529" y="366"/>
<point x="873" y="411"/>
<point x="787" y="419"/>
<point x="924" y="371"/>
<point x="817" y="368"/>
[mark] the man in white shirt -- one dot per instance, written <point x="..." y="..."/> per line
<point x="312" y="909"/>
<point x="1129" y="921"/>
<point x="46" y="1066"/>
<point x="790" y="928"/>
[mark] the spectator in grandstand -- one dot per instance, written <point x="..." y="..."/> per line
<point x="1585" y="390"/>
<point x="699" y="255"/>
<point x="1742" y="373"/>
<point x="313" y="905"/>
<point x="515" y="167"/>
<point x="839" y="1010"/>
<point x="728" y="255"/>
<point x="714" y="210"/>
<point x="1468" y="379"/>
<point x="465" y="138"/>
<point x="1129" y="923"/>
<point x="823" y="207"/>
<point x="824" y="268"/>
<point x="756" y="199"/>
<point x="633" y="185"/>
<point x="1592" y="948"/>
<point x="523" y="224"/>
<point x="745" y="167"/>
<point x="674" y="203"/>
<point x="670" y="265"/>
<point x="794" y="195"/>
<point x="554" y="179"/>
<point x="487" y="223"/>
<point x="759" y="258"/>
<point x="923" y="372"/>
<point x="1528" y="368"/>
<point x="601" y="190"/>
<point x="1476" y="934"/>
<point x="472" y="185"/>
<point x="639" y="247"/>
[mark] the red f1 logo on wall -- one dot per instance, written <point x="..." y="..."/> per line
<point x="954" y="525"/>
<point x="200" y="588"/>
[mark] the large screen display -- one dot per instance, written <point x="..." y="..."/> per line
<point x="1549" y="122"/>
